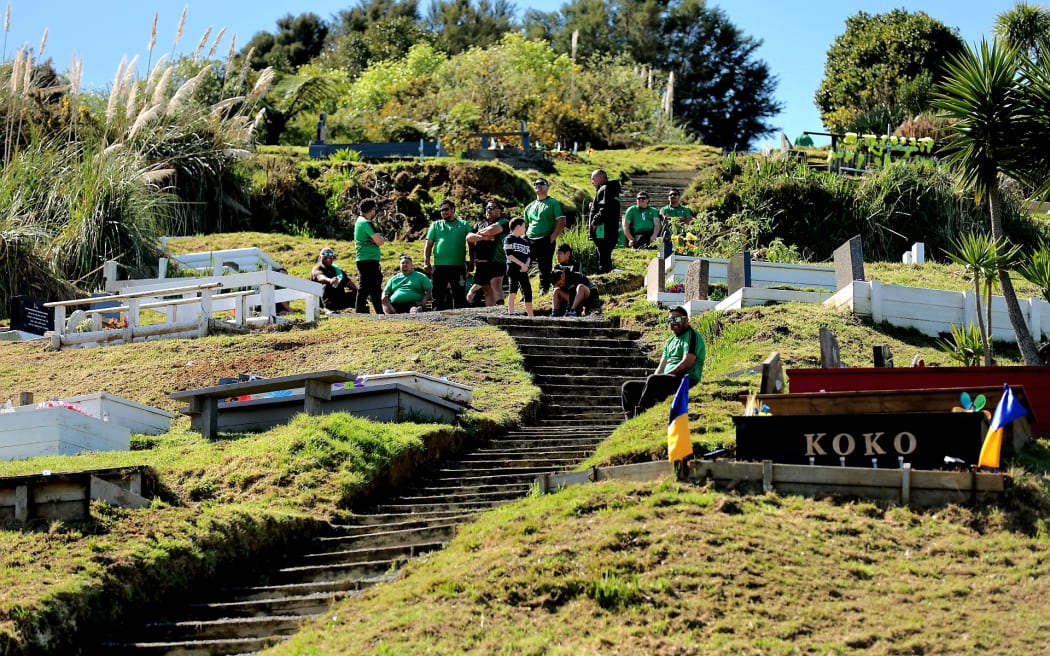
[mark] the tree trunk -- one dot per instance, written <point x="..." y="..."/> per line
<point x="985" y="340"/>
<point x="1025" y="342"/>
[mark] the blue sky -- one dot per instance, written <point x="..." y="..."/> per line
<point x="796" y="35"/>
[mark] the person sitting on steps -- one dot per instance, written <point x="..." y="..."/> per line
<point x="684" y="354"/>
<point x="566" y="260"/>
<point x="573" y="293"/>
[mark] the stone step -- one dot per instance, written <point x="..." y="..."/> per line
<point x="348" y="551"/>
<point x="366" y="522"/>
<point x="605" y="360"/>
<point x="520" y="461"/>
<point x="608" y="421"/>
<point x="572" y="409"/>
<point x="421" y="489"/>
<point x="506" y="322"/>
<point x="299" y="604"/>
<point x="224" y="628"/>
<point x="578" y="369"/>
<point x="275" y="591"/>
<point x="572" y="449"/>
<point x="429" y="507"/>
<point x="593" y="379"/>
<point x="574" y="348"/>
<point x="541" y="431"/>
<point x="554" y="390"/>
<point x="217" y="647"/>
<point x="582" y="445"/>
<point x="335" y="571"/>
<point x="380" y="539"/>
<point x="531" y="342"/>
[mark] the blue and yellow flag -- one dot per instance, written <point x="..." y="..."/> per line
<point x="678" y="443"/>
<point x="1007" y="410"/>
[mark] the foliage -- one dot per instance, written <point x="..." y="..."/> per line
<point x="983" y="258"/>
<point x="1036" y="270"/>
<point x="372" y="31"/>
<point x="298" y="40"/>
<point x="1025" y="28"/>
<point x="460" y="25"/>
<point x="721" y="92"/>
<point x="966" y="346"/>
<point x="885" y="63"/>
<point x="985" y="93"/>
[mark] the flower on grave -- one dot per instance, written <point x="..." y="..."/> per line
<point x="58" y="403"/>
<point x="676" y="288"/>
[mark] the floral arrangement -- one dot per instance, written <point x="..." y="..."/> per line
<point x="57" y="403"/>
<point x="676" y="288"/>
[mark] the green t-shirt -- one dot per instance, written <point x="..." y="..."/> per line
<point x="642" y="221"/>
<point x="542" y="217"/>
<point x="676" y="348"/>
<point x="680" y="212"/>
<point x="450" y="241"/>
<point x="366" y="248"/>
<point x="407" y="287"/>
<point x="492" y="250"/>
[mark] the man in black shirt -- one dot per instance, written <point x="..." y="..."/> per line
<point x="573" y="293"/>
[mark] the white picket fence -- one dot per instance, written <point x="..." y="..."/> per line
<point x="933" y="312"/>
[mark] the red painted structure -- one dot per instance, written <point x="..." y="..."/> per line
<point x="1035" y="380"/>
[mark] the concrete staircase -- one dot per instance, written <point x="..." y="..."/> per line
<point x="579" y="365"/>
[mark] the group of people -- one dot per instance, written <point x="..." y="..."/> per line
<point x="644" y="225"/>
<point x="493" y="249"/>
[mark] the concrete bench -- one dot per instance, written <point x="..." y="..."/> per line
<point x="204" y="403"/>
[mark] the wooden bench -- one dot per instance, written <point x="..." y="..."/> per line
<point x="204" y="403"/>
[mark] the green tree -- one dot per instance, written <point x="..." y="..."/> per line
<point x="459" y="25"/>
<point x="1025" y="28"/>
<point x="298" y="40"/>
<point x="721" y="92"/>
<point x="983" y="93"/>
<point x="886" y="62"/>
<point x="611" y="27"/>
<point x="372" y="31"/>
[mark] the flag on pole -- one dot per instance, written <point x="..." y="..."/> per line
<point x="678" y="443"/>
<point x="1007" y="410"/>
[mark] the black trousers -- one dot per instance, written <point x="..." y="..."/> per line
<point x="605" y="248"/>
<point x="449" y="286"/>
<point x="543" y="255"/>
<point x="371" y="286"/>
<point x="639" y="395"/>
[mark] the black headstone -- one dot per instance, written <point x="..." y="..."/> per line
<point x="739" y="274"/>
<point x="28" y="314"/>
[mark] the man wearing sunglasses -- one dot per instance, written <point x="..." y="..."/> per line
<point x="446" y="244"/>
<point x="545" y="221"/>
<point x="485" y="243"/>
<point x="675" y="218"/>
<point x="684" y="355"/>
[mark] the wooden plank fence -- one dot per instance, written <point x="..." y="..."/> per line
<point x="920" y="489"/>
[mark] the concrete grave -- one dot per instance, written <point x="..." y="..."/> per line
<point x="696" y="280"/>
<point x="849" y="262"/>
<point x="738" y="275"/>
<point x="655" y="278"/>
<point x="57" y="431"/>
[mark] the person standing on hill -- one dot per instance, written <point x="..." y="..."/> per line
<point x="447" y="245"/>
<point x="684" y="355"/>
<point x="675" y="219"/>
<point x="490" y="260"/>
<point x="641" y="222"/>
<point x="518" y="250"/>
<point x="367" y="242"/>
<point x="546" y="221"/>
<point x="604" y="220"/>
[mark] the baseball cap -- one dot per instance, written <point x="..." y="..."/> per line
<point x="642" y="194"/>
<point x="327" y="252"/>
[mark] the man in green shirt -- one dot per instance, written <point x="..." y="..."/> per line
<point x="367" y="242"/>
<point x="447" y="245"/>
<point x="641" y="222"/>
<point x="684" y="355"/>
<point x="407" y="290"/>
<point x="545" y="221"/>
<point x="675" y="218"/>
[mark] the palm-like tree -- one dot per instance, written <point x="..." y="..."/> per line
<point x="983" y="258"/>
<point x="984" y="93"/>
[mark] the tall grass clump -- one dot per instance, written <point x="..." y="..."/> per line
<point x="88" y="177"/>
<point x="582" y="247"/>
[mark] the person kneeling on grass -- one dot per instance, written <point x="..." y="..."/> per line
<point x="684" y="355"/>
<point x="573" y="293"/>
<point x="340" y="292"/>
<point x="406" y="291"/>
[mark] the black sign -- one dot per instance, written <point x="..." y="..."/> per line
<point x="28" y="314"/>
<point x="885" y="440"/>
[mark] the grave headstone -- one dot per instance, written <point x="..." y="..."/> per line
<point x="829" y="350"/>
<point x="849" y="262"/>
<point x="738" y="274"/>
<point x="655" y="278"/>
<point x="28" y="314"/>
<point x="772" y="375"/>
<point x="696" y="280"/>
<point x="883" y="357"/>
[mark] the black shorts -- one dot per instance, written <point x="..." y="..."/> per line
<point x="484" y="272"/>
